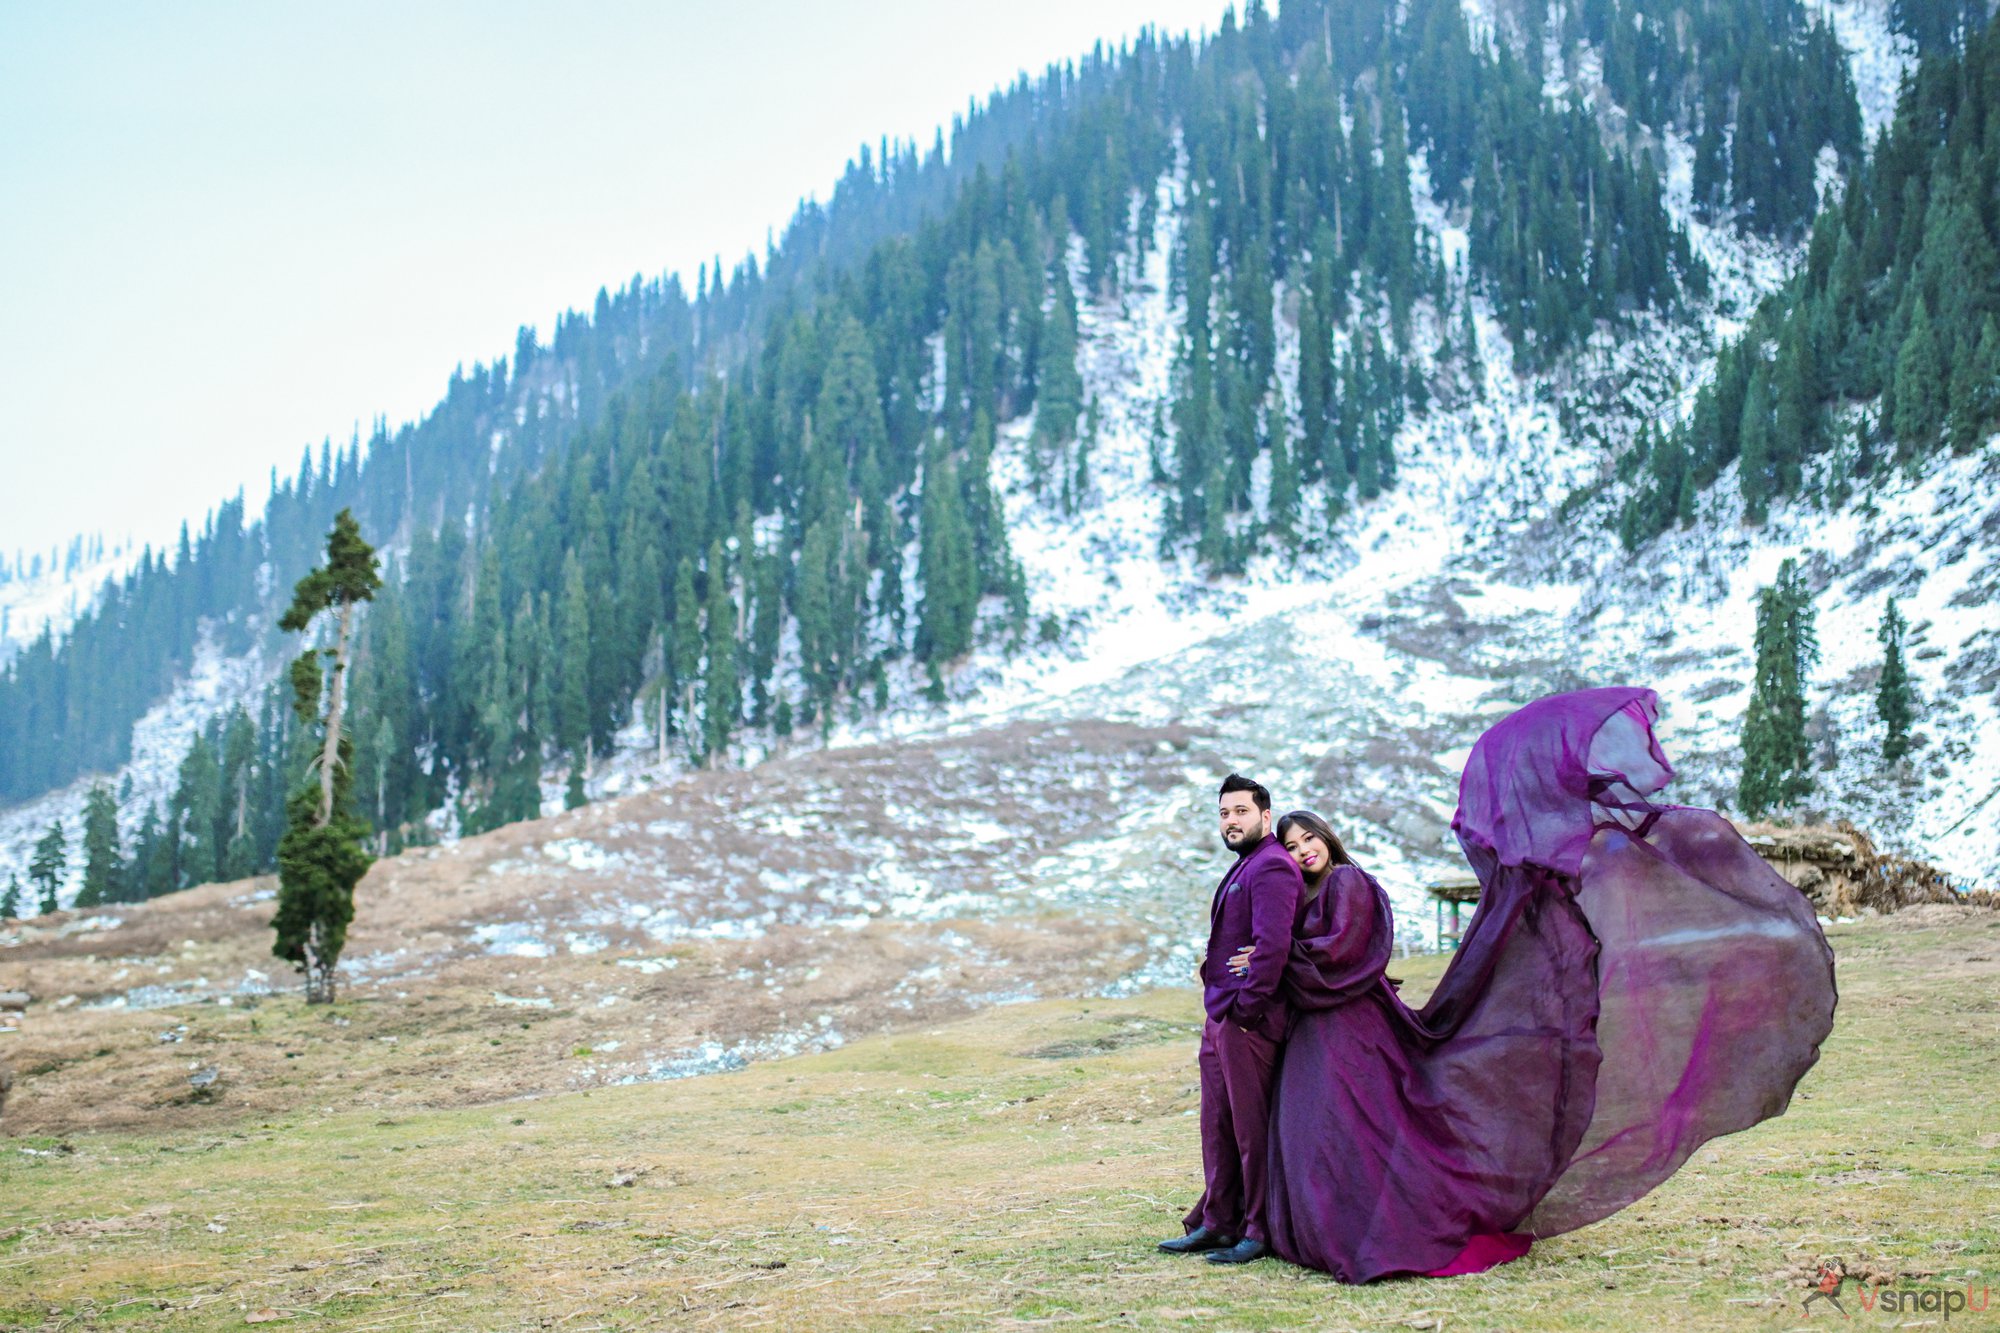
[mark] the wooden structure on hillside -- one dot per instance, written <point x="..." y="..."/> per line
<point x="1452" y="894"/>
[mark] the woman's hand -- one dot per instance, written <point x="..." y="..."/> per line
<point x="1239" y="962"/>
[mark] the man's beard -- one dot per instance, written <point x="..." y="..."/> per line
<point x="1251" y="837"/>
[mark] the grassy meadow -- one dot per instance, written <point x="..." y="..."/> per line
<point x="1010" y="1170"/>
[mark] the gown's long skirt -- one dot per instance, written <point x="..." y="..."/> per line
<point x="1634" y="982"/>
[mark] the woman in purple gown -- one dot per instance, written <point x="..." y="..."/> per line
<point x="1635" y="982"/>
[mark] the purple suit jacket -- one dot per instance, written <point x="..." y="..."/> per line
<point x="1256" y="903"/>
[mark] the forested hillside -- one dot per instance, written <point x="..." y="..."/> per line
<point x="1884" y="349"/>
<point x="756" y="508"/>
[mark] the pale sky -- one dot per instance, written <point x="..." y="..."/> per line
<point x="228" y="231"/>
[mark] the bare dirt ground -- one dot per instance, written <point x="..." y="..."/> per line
<point x="724" y="917"/>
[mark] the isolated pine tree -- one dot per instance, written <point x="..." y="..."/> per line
<point x="10" y="901"/>
<point x="103" y="866"/>
<point x="1895" y="696"/>
<point x="1776" y="758"/>
<point x="50" y="860"/>
<point x="322" y="855"/>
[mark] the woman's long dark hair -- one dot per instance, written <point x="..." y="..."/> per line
<point x="1308" y="822"/>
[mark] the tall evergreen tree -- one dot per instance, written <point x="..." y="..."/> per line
<point x="103" y="864"/>
<point x="196" y="813"/>
<point x="684" y="649"/>
<point x="722" y="697"/>
<point x="10" y="901"/>
<point x="573" y="648"/>
<point x="152" y="870"/>
<point x="1776" y="769"/>
<point x="1757" y="476"/>
<point x="767" y="611"/>
<point x="946" y="565"/>
<point x="1895" y="696"/>
<point x="48" y="864"/>
<point x="1284" y="500"/>
<point x="1061" y="398"/>
<point x="241" y="855"/>
<point x="1920" y="386"/>
<point x="322" y="854"/>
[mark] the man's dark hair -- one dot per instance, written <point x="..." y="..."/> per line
<point x="1237" y="782"/>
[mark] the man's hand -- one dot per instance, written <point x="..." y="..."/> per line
<point x="1200" y="962"/>
<point x="1239" y="962"/>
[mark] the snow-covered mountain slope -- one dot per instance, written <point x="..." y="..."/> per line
<point x="55" y="596"/>
<point x="1354" y="676"/>
<point x="217" y="683"/>
<point x="1878" y="57"/>
<point x="1354" y="673"/>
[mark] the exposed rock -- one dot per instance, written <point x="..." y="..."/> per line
<point x="1838" y="868"/>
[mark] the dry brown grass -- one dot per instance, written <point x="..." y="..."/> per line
<point x="1008" y="1170"/>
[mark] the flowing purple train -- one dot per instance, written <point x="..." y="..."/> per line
<point x="1635" y="982"/>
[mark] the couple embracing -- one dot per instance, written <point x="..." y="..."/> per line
<point x="1302" y="929"/>
<point x="1634" y="982"/>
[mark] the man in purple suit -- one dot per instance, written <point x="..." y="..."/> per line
<point x="1255" y="904"/>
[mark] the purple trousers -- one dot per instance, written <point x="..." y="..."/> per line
<point x="1236" y="1072"/>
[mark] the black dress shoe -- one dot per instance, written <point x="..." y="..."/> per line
<point x="1242" y="1252"/>
<point x="1201" y="1238"/>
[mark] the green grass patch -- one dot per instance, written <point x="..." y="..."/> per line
<point x="1011" y="1169"/>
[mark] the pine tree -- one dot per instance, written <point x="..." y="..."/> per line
<point x="1061" y="395"/>
<point x="1975" y="386"/>
<point x="766" y="627"/>
<point x="983" y="511"/>
<point x="1314" y="367"/>
<point x="946" y="565"/>
<point x="1920" y="386"/>
<point x="684" y="648"/>
<point x="1284" y="502"/>
<point x="573" y="650"/>
<point x="321" y="856"/>
<point x="1756" y="477"/>
<point x="814" y="607"/>
<point x="241" y="855"/>
<point x="10" y="901"/>
<point x="1895" y="696"/>
<point x="196" y="812"/>
<point x="103" y="865"/>
<point x="1776" y="757"/>
<point x="722" y="696"/>
<point x="48" y="863"/>
<point x="151" y="871"/>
